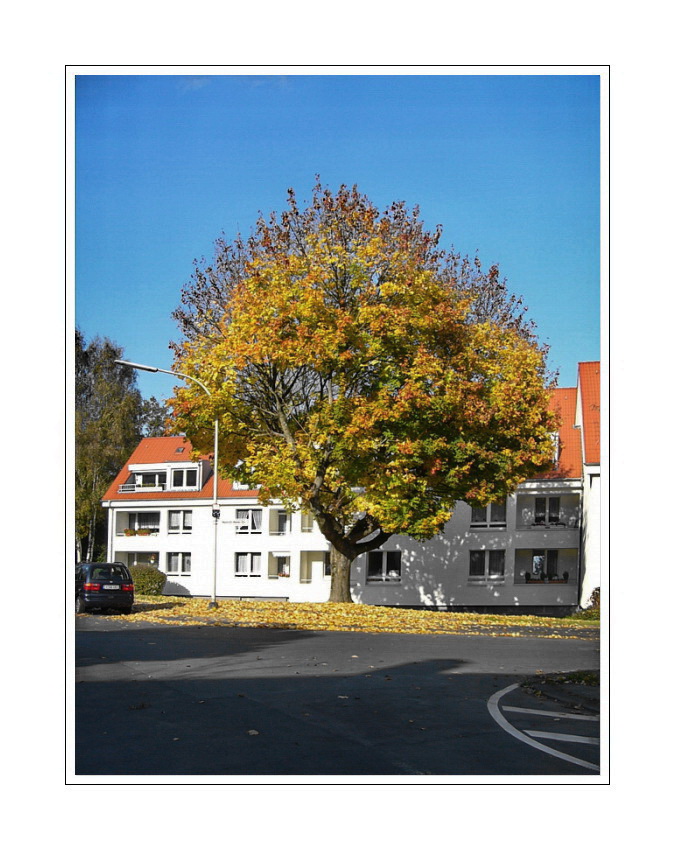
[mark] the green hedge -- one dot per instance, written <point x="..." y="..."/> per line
<point x="148" y="581"/>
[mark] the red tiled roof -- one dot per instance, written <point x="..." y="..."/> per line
<point x="563" y="402"/>
<point x="589" y="388"/>
<point x="159" y="450"/>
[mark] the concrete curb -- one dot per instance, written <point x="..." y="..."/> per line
<point x="574" y="696"/>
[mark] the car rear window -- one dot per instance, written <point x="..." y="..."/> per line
<point x="109" y="571"/>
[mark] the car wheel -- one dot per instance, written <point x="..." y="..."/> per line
<point x="80" y="607"/>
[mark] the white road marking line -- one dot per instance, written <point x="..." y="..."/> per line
<point x="592" y="717"/>
<point x="559" y="736"/>
<point x="498" y="717"/>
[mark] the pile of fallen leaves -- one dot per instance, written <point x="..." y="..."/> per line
<point x="331" y="616"/>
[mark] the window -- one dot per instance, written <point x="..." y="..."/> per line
<point x="142" y="559"/>
<point x="178" y="563"/>
<point x="306" y="523"/>
<point x="145" y="522"/>
<point x="248" y="521"/>
<point x="555" y="440"/>
<point x="486" y="565"/>
<point x="491" y="516"/>
<point x="279" y="566"/>
<point x="383" y="566"/>
<point x="184" y="479"/>
<point x="544" y="564"/>
<point x="305" y="568"/>
<point x="155" y="480"/>
<point x="280" y="522"/>
<point x="547" y="510"/>
<point x="326" y="563"/>
<point x="247" y="564"/>
<point x="180" y="522"/>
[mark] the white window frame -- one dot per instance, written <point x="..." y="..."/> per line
<point x="547" y="511"/>
<point x="387" y="572"/>
<point x="142" y="559"/>
<point x="135" y="523"/>
<point x="252" y="568"/>
<point x="183" y="562"/>
<point x="489" y="573"/>
<point x="184" y="471"/>
<point x="245" y="524"/>
<point x="181" y="528"/>
<point x="489" y="521"/>
<point x="159" y="480"/>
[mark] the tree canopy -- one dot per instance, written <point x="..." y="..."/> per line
<point x="361" y="373"/>
<point x="110" y="418"/>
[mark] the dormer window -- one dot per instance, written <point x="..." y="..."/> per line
<point x="555" y="439"/>
<point x="184" y="479"/>
<point x="152" y="480"/>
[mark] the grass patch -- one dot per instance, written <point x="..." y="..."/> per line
<point x="577" y="677"/>
<point x="330" y="616"/>
<point x="587" y="615"/>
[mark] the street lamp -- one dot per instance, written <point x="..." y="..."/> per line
<point x="215" y="511"/>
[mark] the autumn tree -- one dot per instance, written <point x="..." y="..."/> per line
<point x="360" y="373"/>
<point x="110" y="418"/>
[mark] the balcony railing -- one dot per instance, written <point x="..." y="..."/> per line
<point x="135" y="488"/>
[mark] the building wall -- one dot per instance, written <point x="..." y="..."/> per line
<point x="591" y="566"/>
<point x="434" y="572"/>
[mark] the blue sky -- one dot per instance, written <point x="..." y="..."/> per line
<point x="508" y="164"/>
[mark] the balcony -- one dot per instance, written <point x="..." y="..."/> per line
<point x="280" y="523"/>
<point x="547" y="512"/>
<point x="141" y="488"/>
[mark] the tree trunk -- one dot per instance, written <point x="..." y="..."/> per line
<point x="340" y="570"/>
<point x="92" y="537"/>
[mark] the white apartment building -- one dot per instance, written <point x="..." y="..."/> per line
<point x="538" y="550"/>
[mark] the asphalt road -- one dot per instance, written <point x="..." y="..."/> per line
<point x="168" y="701"/>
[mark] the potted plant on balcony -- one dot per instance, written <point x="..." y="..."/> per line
<point x="129" y="532"/>
<point x="143" y="532"/>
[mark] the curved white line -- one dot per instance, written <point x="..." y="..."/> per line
<point x="498" y="717"/>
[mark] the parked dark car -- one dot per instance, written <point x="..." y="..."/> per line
<point x="103" y="586"/>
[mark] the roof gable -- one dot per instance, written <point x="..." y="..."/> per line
<point x="589" y="392"/>
<point x="163" y="450"/>
<point x="563" y="403"/>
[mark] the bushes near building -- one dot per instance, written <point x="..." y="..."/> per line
<point x="148" y="581"/>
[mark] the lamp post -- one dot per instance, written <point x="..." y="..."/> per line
<point x="215" y="510"/>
